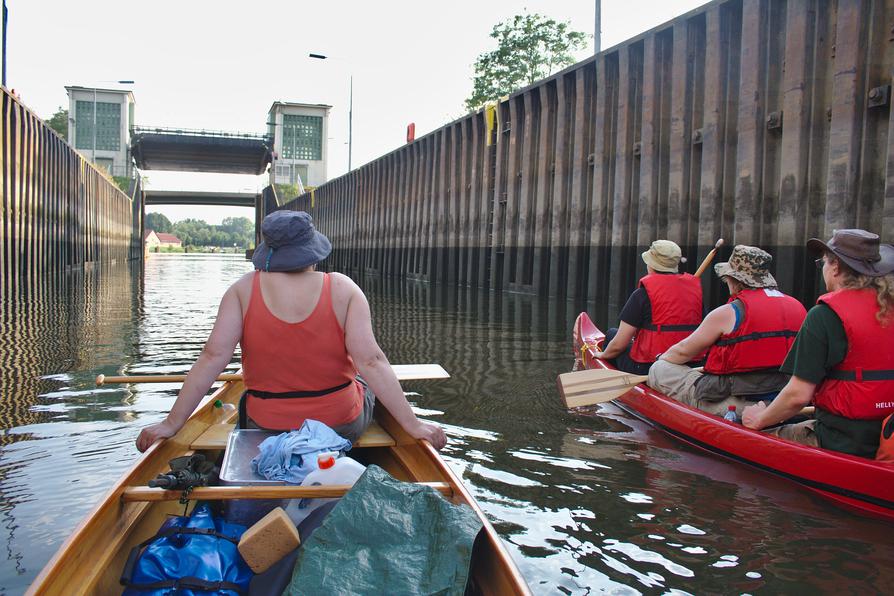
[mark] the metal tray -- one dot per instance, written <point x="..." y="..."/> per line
<point x="242" y="447"/>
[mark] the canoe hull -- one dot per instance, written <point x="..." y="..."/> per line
<point x="856" y="483"/>
<point x="91" y="559"/>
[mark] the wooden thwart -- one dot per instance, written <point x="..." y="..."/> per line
<point x="595" y="386"/>
<point x="217" y="435"/>
<point x="223" y="493"/>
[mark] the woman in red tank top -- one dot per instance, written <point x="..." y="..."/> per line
<point x="305" y="336"/>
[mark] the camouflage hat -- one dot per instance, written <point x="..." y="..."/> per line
<point x="749" y="265"/>
<point x="664" y="256"/>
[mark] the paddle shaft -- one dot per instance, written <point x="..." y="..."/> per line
<point x="404" y="372"/>
<point x="708" y="258"/>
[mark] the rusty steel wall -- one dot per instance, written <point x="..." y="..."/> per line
<point x="763" y="122"/>
<point x="59" y="212"/>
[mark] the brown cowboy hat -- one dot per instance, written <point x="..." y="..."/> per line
<point x="860" y="250"/>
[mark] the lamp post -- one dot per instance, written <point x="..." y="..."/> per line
<point x="93" y="152"/>
<point x="350" y="108"/>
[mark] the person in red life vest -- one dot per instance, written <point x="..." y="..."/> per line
<point x="843" y="358"/>
<point x="665" y="308"/>
<point x="747" y="338"/>
<point x="305" y="335"/>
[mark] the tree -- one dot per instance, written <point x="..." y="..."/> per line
<point x="159" y="223"/>
<point x="59" y="122"/>
<point x="529" y="47"/>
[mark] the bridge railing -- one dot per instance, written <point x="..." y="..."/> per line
<point x="59" y="211"/>
<point x="763" y="122"/>
<point x="201" y="132"/>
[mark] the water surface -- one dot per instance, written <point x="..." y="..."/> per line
<point x="589" y="502"/>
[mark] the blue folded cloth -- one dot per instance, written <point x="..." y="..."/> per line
<point x="290" y="457"/>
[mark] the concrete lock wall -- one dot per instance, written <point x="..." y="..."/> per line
<point x="763" y="122"/>
<point x="59" y="212"/>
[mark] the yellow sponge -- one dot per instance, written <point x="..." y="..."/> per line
<point x="269" y="540"/>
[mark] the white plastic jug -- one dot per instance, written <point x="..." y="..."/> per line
<point x="331" y="470"/>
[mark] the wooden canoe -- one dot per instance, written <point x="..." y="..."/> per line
<point x="859" y="484"/>
<point x="91" y="559"/>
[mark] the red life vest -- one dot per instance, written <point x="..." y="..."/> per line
<point x="886" y="441"/>
<point x="860" y="387"/>
<point x="676" y="301"/>
<point x="772" y="320"/>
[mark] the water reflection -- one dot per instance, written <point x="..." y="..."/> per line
<point x="590" y="502"/>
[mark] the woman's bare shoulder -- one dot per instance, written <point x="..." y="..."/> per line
<point x="342" y="283"/>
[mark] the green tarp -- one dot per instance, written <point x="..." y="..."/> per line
<point x="388" y="537"/>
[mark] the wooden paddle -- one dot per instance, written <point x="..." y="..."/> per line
<point x="709" y="258"/>
<point x="404" y="372"/>
<point x="595" y="386"/>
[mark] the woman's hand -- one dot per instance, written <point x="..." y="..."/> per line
<point x="432" y="433"/>
<point x="155" y="432"/>
<point x="751" y="414"/>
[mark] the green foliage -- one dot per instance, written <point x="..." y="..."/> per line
<point x="233" y="230"/>
<point x="286" y="192"/>
<point x="159" y="223"/>
<point x="529" y="47"/>
<point x="123" y="182"/>
<point x="59" y="122"/>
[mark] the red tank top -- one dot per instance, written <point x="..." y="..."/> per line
<point x="308" y="356"/>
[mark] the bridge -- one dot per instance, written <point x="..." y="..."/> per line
<point x="186" y="197"/>
<point x="187" y="150"/>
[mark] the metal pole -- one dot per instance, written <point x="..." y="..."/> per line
<point x="94" y="126"/>
<point x="597" y="34"/>
<point x="350" y="121"/>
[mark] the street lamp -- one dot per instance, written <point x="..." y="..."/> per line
<point x="93" y="152"/>
<point x="350" y="107"/>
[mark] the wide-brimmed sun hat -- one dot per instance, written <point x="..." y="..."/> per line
<point x="862" y="251"/>
<point x="664" y="256"/>
<point x="290" y="242"/>
<point x="749" y="265"/>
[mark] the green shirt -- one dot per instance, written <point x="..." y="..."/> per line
<point x="820" y="345"/>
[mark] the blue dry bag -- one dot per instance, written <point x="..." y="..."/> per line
<point x="193" y="555"/>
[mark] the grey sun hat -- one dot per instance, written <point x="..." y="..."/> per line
<point x="290" y="242"/>
<point x="749" y="265"/>
<point x="860" y="250"/>
<point x="664" y="256"/>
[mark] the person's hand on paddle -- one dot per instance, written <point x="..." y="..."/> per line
<point x="432" y="433"/>
<point x="153" y="433"/>
<point x="752" y="413"/>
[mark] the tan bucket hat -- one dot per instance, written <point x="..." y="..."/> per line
<point x="748" y="264"/>
<point x="664" y="256"/>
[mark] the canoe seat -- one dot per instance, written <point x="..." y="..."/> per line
<point x="215" y="437"/>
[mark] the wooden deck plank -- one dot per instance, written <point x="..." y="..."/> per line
<point x="217" y="434"/>
<point x="283" y="491"/>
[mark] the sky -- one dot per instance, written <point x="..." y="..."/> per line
<point x="220" y="64"/>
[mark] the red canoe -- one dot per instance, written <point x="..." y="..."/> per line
<point x="853" y="482"/>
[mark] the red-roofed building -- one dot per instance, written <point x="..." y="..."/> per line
<point x="153" y="240"/>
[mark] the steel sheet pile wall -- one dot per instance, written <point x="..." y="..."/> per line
<point x="59" y="212"/>
<point x="763" y="122"/>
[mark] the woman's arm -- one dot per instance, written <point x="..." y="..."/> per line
<point x="375" y="369"/>
<point x="215" y="356"/>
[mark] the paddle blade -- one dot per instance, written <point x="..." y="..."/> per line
<point x="595" y="386"/>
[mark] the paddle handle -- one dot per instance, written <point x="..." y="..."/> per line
<point x="404" y="372"/>
<point x="708" y="258"/>
<point x="102" y="379"/>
